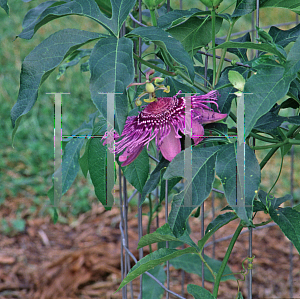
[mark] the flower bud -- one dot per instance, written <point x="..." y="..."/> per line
<point x="211" y="3"/>
<point x="150" y="87"/>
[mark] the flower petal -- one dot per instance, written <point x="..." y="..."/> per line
<point x="170" y="145"/>
<point x="197" y="131"/>
<point x="127" y="158"/>
<point x="207" y="116"/>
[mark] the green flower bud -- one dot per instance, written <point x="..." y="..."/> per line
<point x="211" y="3"/>
<point x="150" y="87"/>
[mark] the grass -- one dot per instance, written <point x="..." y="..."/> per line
<point x="26" y="168"/>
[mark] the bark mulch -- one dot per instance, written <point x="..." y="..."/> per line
<point x="82" y="259"/>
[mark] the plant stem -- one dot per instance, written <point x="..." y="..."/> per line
<point x="207" y="265"/>
<point x="263" y="223"/>
<point x="263" y="138"/>
<point x="291" y="131"/>
<point x="225" y="260"/>
<point x="196" y="84"/>
<point x="139" y="59"/>
<point x="286" y="141"/>
<point x="233" y="117"/>
<point x="268" y="157"/>
<point x="153" y="17"/>
<point x="150" y="220"/>
<point x="213" y="32"/>
<point x="223" y="53"/>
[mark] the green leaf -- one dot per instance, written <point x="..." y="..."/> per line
<point x="220" y="221"/>
<point x="151" y="290"/>
<point x="199" y="292"/>
<point x="268" y="122"/>
<point x="154" y="179"/>
<point x="137" y="172"/>
<point x="112" y="70"/>
<point x="203" y="175"/>
<point x="293" y="59"/>
<point x="249" y="45"/>
<point x="288" y="220"/>
<point x="168" y="43"/>
<point x="226" y="171"/>
<point x="171" y="184"/>
<point x="192" y="263"/>
<point x="83" y="161"/>
<point x="237" y="80"/>
<point x="195" y="33"/>
<point x="41" y="62"/>
<point x="33" y="14"/>
<point x="152" y="260"/>
<point x="69" y="167"/>
<point x="105" y="7"/>
<point x="177" y="17"/>
<point x="284" y="37"/>
<point x="241" y="53"/>
<point x="274" y="202"/>
<point x="226" y="94"/>
<point x="87" y="8"/>
<point x="164" y="233"/>
<point x="244" y="7"/>
<point x="266" y="87"/>
<point x="72" y="60"/>
<point x="98" y="169"/>
<point x="3" y="4"/>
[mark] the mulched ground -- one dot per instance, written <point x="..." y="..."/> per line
<point x="82" y="260"/>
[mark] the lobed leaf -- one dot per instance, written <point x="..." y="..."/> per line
<point x="87" y="8"/>
<point x="41" y="62"/>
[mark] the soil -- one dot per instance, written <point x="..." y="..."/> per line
<point x="82" y="259"/>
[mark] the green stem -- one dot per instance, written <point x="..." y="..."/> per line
<point x="196" y="84"/>
<point x="150" y="219"/>
<point x="233" y="117"/>
<point x="263" y="138"/>
<point x="225" y="260"/>
<point x="269" y="146"/>
<point x="139" y="59"/>
<point x="286" y="141"/>
<point x="268" y="157"/>
<point x="207" y="265"/>
<point x="213" y="32"/>
<point x="263" y="223"/>
<point x="223" y="53"/>
<point x="153" y="17"/>
<point x="291" y="131"/>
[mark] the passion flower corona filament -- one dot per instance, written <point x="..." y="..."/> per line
<point x="162" y="119"/>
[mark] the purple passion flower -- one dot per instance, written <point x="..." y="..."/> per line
<point x="163" y="119"/>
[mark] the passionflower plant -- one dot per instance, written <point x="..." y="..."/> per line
<point x="162" y="119"/>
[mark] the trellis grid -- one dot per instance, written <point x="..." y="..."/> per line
<point x="126" y="254"/>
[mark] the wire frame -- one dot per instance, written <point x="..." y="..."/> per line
<point x="126" y="254"/>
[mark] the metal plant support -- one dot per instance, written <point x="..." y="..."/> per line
<point x="126" y="254"/>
